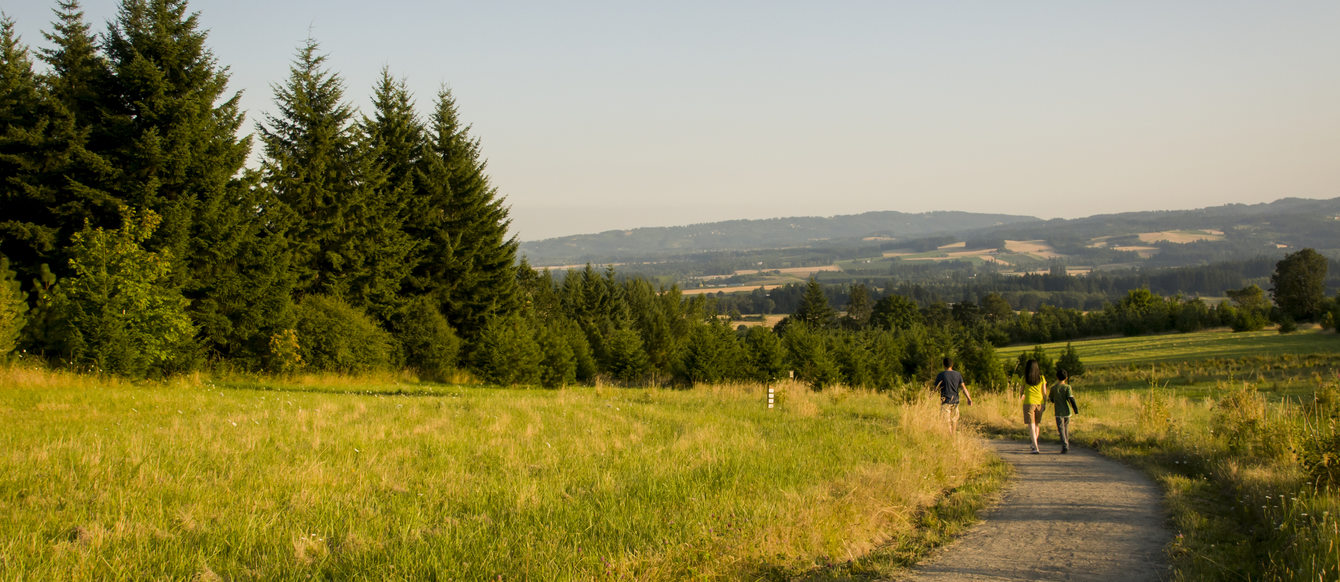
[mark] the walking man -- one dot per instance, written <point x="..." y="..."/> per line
<point x="950" y="384"/>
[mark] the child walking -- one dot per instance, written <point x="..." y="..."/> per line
<point x="1064" y="401"/>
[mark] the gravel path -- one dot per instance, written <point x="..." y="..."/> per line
<point x="1076" y="516"/>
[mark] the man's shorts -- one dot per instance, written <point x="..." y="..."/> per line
<point x="949" y="411"/>
<point x="1032" y="414"/>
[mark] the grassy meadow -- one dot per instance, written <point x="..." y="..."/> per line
<point x="337" y="478"/>
<point x="1240" y="430"/>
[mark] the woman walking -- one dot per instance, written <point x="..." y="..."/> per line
<point x="1035" y="394"/>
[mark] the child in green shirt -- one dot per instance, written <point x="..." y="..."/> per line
<point x="1064" y="402"/>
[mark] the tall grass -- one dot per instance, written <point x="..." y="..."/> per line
<point x="334" y="478"/>
<point x="1233" y="462"/>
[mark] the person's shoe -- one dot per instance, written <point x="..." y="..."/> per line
<point x="1065" y="450"/>
<point x="1035" y="451"/>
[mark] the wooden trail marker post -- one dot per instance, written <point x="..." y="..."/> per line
<point x="769" y="397"/>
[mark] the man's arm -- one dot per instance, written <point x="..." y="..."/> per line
<point x="965" y="392"/>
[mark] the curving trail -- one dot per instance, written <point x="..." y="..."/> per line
<point x="1077" y="516"/>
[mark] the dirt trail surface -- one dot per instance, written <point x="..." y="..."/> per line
<point x="1076" y="516"/>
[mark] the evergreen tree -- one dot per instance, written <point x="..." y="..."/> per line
<point x="808" y="354"/>
<point x="22" y="135"/>
<point x="712" y="354"/>
<point x="1070" y="362"/>
<point x="71" y="184"/>
<point x="506" y="352"/>
<point x="1298" y="285"/>
<point x="468" y="262"/>
<point x="396" y="142"/>
<point x="79" y="75"/>
<point x="895" y="312"/>
<point x="171" y="129"/>
<point x="165" y="119"/>
<point x="558" y="364"/>
<point x="43" y="165"/>
<point x="765" y="356"/>
<point x="430" y="345"/>
<point x="814" y="309"/>
<point x="858" y="307"/>
<point x="13" y="309"/>
<point x="347" y="238"/>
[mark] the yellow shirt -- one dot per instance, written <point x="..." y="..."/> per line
<point x="1033" y="395"/>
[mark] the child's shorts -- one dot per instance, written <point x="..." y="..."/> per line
<point x="1032" y="414"/>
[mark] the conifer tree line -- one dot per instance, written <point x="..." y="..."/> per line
<point x="135" y="239"/>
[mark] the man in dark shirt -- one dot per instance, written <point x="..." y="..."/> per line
<point x="950" y="384"/>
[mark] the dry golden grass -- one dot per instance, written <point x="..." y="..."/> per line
<point x="340" y="478"/>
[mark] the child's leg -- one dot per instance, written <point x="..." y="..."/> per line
<point x="1063" y="428"/>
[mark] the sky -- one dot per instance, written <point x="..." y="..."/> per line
<point x="597" y="116"/>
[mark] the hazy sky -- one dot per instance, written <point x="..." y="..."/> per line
<point x="605" y="115"/>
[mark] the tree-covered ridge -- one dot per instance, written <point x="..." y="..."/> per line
<point x="958" y="245"/>
<point x="742" y="235"/>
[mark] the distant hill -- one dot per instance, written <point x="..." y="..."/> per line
<point x="746" y="235"/>
<point x="886" y="248"/>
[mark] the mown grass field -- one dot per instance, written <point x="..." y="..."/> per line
<point x="1203" y="363"/>
<point x="346" y="479"/>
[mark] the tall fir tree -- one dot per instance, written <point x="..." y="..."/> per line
<point x="468" y="259"/>
<point x="79" y="75"/>
<point x="167" y="121"/>
<point x="171" y="128"/>
<point x="347" y="238"/>
<point x="23" y="194"/>
<point x="76" y="180"/>
<point x="814" y="309"/>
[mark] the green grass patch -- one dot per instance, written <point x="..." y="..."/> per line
<point x="1205" y="364"/>
<point x="1182" y="347"/>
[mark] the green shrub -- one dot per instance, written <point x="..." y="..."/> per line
<point x="1288" y="325"/>
<point x="118" y="313"/>
<point x="1248" y="320"/>
<point x="506" y="352"/>
<point x="430" y="345"/>
<point x="285" y="352"/>
<point x="1239" y="419"/>
<point x="337" y="337"/>
<point x="1319" y="455"/>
